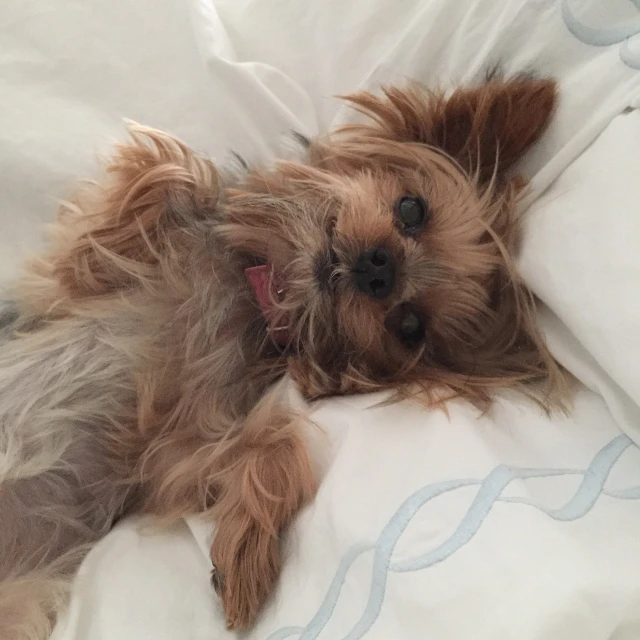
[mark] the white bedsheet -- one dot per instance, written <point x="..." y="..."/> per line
<point x="513" y="525"/>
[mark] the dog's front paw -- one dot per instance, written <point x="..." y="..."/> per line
<point x="246" y="564"/>
<point x="261" y="492"/>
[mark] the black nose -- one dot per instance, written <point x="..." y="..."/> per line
<point x="375" y="272"/>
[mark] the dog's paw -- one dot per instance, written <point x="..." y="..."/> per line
<point x="246" y="564"/>
<point x="261" y="492"/>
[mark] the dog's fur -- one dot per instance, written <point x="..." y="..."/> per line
<point x="137" y="371"/>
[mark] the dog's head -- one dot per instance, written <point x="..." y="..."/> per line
<point x="394" y="243"/>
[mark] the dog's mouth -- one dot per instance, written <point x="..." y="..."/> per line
<point x="268" y="286"/>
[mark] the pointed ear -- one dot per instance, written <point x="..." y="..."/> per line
<point x="485" y="128"/>
<point x="114" y="234"/>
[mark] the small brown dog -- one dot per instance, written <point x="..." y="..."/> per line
<point x="137" y="368"/>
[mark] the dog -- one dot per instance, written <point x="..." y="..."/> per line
<point x="140" y="356"/>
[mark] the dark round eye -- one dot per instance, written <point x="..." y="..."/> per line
<point x="408" y="325"/>
<point x="412" y="213"/>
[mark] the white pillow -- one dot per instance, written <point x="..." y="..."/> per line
<point x="581" y="255"/>
<point x="330" y="47"/>
<point x="71" y="71"/>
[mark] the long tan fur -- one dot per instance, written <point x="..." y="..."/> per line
<point x="137" y="373"/>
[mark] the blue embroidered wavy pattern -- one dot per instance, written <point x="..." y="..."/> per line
<point x="489" y="492"/>
<point x="606" y="36"/>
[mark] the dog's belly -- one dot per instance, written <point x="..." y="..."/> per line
<point x="45" y="516"/>
<point x="63" y="388"/>
<point x="8" y="317"/>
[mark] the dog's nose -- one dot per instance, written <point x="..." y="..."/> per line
<point x="375" y="272"/>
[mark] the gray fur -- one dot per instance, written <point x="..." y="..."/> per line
<point x="8" y="317"/>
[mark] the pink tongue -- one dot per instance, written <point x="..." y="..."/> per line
<point x="264" y="283"/>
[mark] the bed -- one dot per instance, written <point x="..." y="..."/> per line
<point x="513" y="524"/>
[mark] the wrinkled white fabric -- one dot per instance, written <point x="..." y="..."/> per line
<point x="511" y="525"/>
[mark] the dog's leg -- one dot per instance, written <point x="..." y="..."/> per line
<point x="61" y="390"/>
<point x="49" y="523"/>
<point x="267" y="481"/>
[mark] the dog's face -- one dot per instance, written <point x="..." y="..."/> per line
<point x="394" y="243"/>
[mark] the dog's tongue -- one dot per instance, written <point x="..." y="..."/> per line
<point x="267" y="288"/>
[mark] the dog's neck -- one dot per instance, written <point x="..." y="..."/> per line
<point x="268" y="289"/>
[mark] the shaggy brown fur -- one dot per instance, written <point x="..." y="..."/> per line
<point x="139" y="375"/>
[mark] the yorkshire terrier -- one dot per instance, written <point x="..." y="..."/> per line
<point x="139" y="357"/>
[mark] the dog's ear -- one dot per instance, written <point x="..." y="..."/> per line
<point x="115" y="234"/>
<point x="485" y="128"/>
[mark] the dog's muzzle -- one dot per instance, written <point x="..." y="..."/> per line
<point x="374" y="272"/>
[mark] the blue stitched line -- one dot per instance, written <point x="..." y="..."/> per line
<point x="633" y="493"/>
<point x="597" y="36"/>
<point x="489" y="493"/>
<point x="605" y="36"/>
<point x="286" y="632"/>
<point x="630" y="58"/>
<point x="322" y="617"/>
<point x="591" y="487"/>
<point x="386" y="545"/>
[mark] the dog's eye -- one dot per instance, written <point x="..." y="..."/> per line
<point x="411" y="330"/>
<point x="412" y="213"/>
<point x="407" y="324"/>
